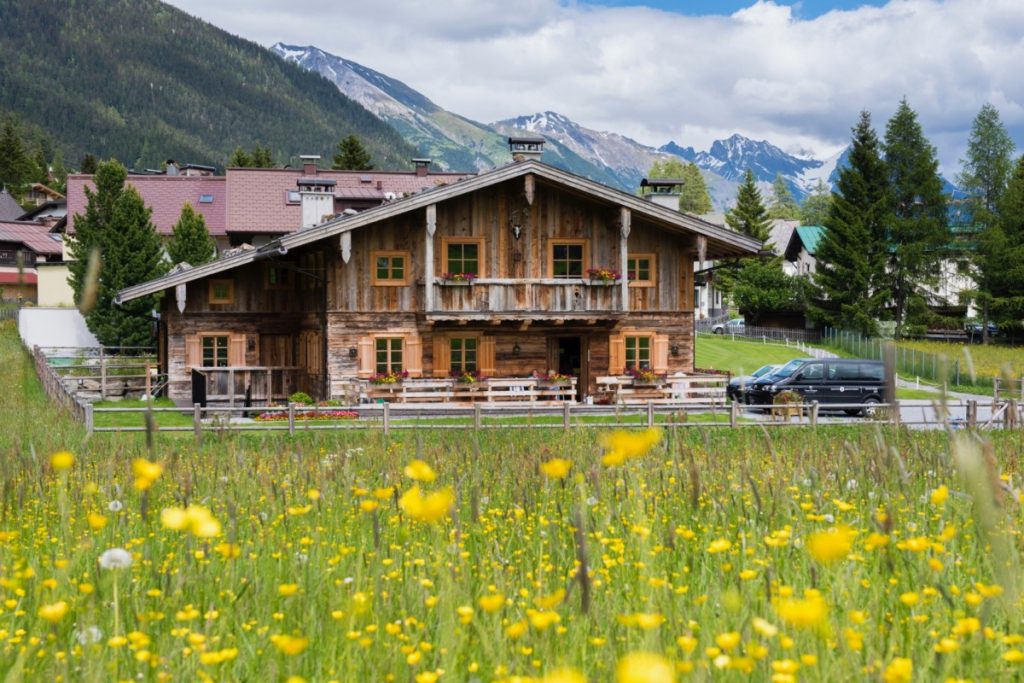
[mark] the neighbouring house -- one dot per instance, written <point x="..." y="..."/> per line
<point x="24" y="247"/>
<point x="38" y="194"/>
<point x="53" y="214"/>
<point x="801" y="248"/>
<point x="10" y="209"/>
<point x="506" y="273"/>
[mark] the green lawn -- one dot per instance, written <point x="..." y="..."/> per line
<point x="740" y="357"/>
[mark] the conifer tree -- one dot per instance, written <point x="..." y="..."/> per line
<point x="851" y="255"/>
<point x="694" y="197"/>
<point x="239" y="159"/>
<point x="351" y="156"/>
<point x="16" y="167"/>
<point x="262" y="157"/>
<point x="815" y="209"/>
<point x="1001" y="248"/>
<point x="190" y="241"/>
<point x="749" y="216"/>
<point x="918" y="232"/>
<point x="131" y="253"/>
<point x="88" y="165"/>
<point x="783" y="204"/>
<point x="93" y="227"/>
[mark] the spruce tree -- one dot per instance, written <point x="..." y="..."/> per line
<point x="815" y="209"/>
<point x="132" y="254"/>
<point x="351" y="156"/>
<point x="850" y="293"/>
<point x="190" y="241"/>
<point x="918" y="234"/>
<point x="262" y="157"/>
<point x="239" y="159"/>
<point x="783" y="204"/>
<point x="694" y="197"/>
<point x="88" y="165"/>
<point x="16" y="167"/>
<point x="92" y="229"/>
<point x="1001" y="247"/>
<point x="749" y="216"/>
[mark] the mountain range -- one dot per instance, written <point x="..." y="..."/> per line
<point x="458" y="143"/>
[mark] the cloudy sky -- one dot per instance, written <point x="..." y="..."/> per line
<point x="794" y="73"/>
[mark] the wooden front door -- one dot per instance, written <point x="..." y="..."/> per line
<point x="570" y="356"/>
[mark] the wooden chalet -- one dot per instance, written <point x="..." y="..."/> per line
<point x="497" y="274"/>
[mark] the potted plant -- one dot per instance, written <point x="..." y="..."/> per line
<point x="553" y="379"/>
<point x="466" y="376"/>
<point x="393" y="377"/>
<point x="603" y="276"/>
<point x="458" y="278"/>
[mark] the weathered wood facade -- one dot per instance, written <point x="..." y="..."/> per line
<point x="387" y="293"/>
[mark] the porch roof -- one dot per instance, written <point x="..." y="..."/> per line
<point x="721" y="242"/>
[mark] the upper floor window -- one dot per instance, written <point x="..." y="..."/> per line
<point x="640" y="269"/>
<point x="390" y="267"/>
<point x="567" y="259"/>
<point x="463" y="256"/>
<point x="222" y="291"/>
<point x="277" y="277"/>
<point x="292" y="197"/>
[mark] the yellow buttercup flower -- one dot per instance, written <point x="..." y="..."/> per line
<point x="417" y="470"/>
<point x="622" y="445"/>
<point x="564" y="675"/>
<point x="195" y="518"/>
<point x="146" y="473"/>
<point x="287" y="589"/>
<point x="808" y="612"/>
<point x="719" y="546"/>
<point x="830" y="546"/>
<point x="900" y="670"/>
<point x="368" y="505"/>
<point x="644" y="667"/>
<point x="96" y="521"/>
<point x="492" y="602"/>
<point x="557" y="468"/>
<point x="55" y="612"/>
<point x="938" y="496"/>
<point x="61" y="460"/>
<point x="290" y="645"/>
<point x="432" y="507"/>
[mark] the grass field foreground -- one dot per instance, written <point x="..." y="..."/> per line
<point x="639" y="556"/>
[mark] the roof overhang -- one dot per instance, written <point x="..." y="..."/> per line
<point x="721" y="242"/>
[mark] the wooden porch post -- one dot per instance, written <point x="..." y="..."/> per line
<point x="624" y="227"/>
<point x="428" y="257"/>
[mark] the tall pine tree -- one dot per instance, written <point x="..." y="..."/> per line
<point x="783" y="204"/>
<point x="694" y="197"/>
<point x="918" y="231"/>
<point x="190" y="241"/>
<point x="851" y="255"/>
<point x="351" y="156"/>
<point x="93" y="227"/>
<point x="749" y="216"/>
<point x="132" y="253"/>
<point x="814" y="210"/>
<point x="16" y="167"/>
<point x="1001" y="247"/>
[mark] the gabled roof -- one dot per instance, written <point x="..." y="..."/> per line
<point x="721" y="241"/>
<point x="9" y="208"/>
<point x="48" y="191"/>
<point x="165" y="195"/>
<point x="35" y="236"/>
<point x="807" y="236"/>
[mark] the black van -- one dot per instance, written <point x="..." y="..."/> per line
<point x="836" y="381"/>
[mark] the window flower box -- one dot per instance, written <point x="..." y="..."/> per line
<point x="645" y="377"/>
<point x="603" y="276"/>
<point x="389" y="378"/>
<point x="464" y="279"/>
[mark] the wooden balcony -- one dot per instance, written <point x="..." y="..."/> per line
<point x="499" y="295"/>
<point x="257" y="385"/>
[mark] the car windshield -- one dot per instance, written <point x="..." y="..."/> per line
<point x="789" y="368"/>
<point x="764" y="370"/>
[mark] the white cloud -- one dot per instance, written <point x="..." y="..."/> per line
<point x="655" y="76"/>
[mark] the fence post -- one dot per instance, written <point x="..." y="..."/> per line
<point x="477" y="418"/>
<point x="958" y="373"/>
<point x="566" y="420"/>
<point x="895" y="410"/>
<point x="291" y="418"/>
<point x="734" y="413"/>
<point x="387" y="417"/>
<point x="197" y="422"/>
<point x="650" y="413"/>
<point x="89" y="419"/>
<point x="103" y="375"/>
<point x="814" y="413"/>
<point x="972" y="413"/>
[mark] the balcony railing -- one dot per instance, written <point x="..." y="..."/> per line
<point x="500" y="295"/>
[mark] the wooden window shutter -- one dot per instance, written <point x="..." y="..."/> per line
<point x="193" y="352"/>
<point x="414" y="356"/>
<point x="236" y="350"/>
<point x="485" y="356"/>
<point x="442" y="356"/>
<point x="659" y="355"/>
<point x="367" y="362"/>
<point x="616" y="354"/>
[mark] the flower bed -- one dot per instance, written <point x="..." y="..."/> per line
<point x="280" y="416"/>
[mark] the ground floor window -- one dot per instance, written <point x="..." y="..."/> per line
<point x="215" y="351"/>
<point x="638" y="353"/>
<point x="389" y="355"/>
<point x="462" y="354"/>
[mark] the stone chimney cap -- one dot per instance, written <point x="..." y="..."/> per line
<point x="421" y="160"/>
<point x="526" y="140"/>
<point x="316" y="181"/>
<point x="662" y="182"/>
<point x="309" y="157"/>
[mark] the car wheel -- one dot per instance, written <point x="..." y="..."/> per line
<point x="870" y="406"/>
<point x="718" y="330"/>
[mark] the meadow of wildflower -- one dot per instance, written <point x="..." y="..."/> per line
<point x="637" y="556"/>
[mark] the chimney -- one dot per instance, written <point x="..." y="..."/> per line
<point x="309" y="163"/>
<point x="170" y="167"/>
<point x="317" y="198"/>
<point x="526" y="147"/>
<point x="422" y="166"/>
<point x="662" y="191"/>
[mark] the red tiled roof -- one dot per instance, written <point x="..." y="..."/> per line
<point x="257" y="197"/>
<point x="35" y="236"/>
<point x="13" y="277"/>
<point x="165" y="195"/>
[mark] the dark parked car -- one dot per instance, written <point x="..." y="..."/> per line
<point x="759" y="392"/>
<point x="975" y="331"/>
<point x="833" y="381"/>
<point x="737" y="387"/>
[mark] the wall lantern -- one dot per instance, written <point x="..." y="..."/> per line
<point x="516" y="349"/>
<point x="517" y="231"/>
<point x="675" y="349"/>
<point x="353" y="352"/>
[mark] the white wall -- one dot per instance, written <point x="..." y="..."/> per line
<point x="54" y="327"/>
<point x="53" y="288"/>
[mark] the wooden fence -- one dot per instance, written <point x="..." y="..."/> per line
<point x="99" y="373"/>
<point x="55" y="388"/>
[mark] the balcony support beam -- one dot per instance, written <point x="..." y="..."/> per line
<point x="625" y="219"/>
<point x="428" y="257"/>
